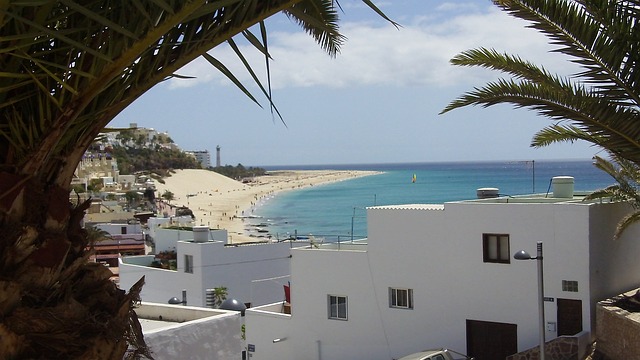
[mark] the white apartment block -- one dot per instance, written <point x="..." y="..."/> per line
<point x="203" y="157"/>
<point x="432" y="276"/>
<point x="252" y="273"/>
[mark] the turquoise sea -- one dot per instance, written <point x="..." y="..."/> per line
<point x="336" y="211"/>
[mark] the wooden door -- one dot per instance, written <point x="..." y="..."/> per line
<point x="491" y="340"/>
<point x="569" y="317"/>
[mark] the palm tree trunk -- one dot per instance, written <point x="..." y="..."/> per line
<point x="54" y="303"/>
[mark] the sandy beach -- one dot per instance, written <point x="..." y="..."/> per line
<point x="222" y="203"/>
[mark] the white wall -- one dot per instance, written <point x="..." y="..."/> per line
<point x="160" y="284"/>
<point x="235" y="268"/>
<point x="418" y="249"/>
<point x="264" y="325"/>
<point x="614" y="263"/>
<point x="116" y="229"/>
<point x="440" y="255"/>
<point x="315" y="275"/>
<point x="213" y="338"/>
<point x="154" y="224"/>
<point x="126" y="179"/>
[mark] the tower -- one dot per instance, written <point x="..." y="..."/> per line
<point x="218" y="156"/>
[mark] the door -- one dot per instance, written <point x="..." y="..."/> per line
<point x="491" y="340"/>
<point x="569" y="317"/>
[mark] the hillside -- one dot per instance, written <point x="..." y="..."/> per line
<point x="134" y="159"/>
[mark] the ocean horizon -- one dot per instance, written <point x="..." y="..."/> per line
<point x="336" y="211"/>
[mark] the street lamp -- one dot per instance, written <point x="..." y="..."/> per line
<point x="175" y="301"/>
<point x="523" y="255"/>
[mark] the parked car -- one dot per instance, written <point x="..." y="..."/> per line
<point x="435" y="354"/>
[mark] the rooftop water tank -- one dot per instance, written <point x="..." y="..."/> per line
<point x="487" y="193"/>
<point x="200" y="233"/>
<point x="562" y="186"/>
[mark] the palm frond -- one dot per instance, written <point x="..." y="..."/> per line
<point x="586" y="35"/>
<point x="627" y="176"/>
<point x="613" y="126"/>
<point x="562" y="133"/>
<point x="226" y="72"/>
<point x="373" y="7"/>
<point x="511" y="64"/>
<point x="625" y="223"/>
<point x="267" y="92"/>
<point x="320" y="20"/>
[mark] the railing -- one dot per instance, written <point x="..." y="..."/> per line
<point x="336" y="242"/>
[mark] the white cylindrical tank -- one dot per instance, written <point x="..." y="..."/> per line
<point x="562" y="186"/>
<point x="487" y="193"/>
<point x="200" y="233"/>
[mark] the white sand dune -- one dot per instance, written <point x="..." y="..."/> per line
<point x="220" y="202"/>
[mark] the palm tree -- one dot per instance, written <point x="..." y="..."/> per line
<point x="627" y="177"/>
<point x="598" y="104"/>
<point x="68" y="68"/>
<point x="219" y="296"/>
<point x="168" y="196"/>
<point x="95" y="234"/>
<point x="132" y="197"/>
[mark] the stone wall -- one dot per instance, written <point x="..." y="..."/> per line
<point x="617" y="332"/>
<point x="561" y="348"/>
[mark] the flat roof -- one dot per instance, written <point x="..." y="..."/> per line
<point x="155" y="316"/>
<point x="410" y="207"/>
<point x="542" y="198"/>
<point x="150" y="325"/>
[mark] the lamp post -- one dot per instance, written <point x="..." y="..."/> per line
<point x="523" y="255"/>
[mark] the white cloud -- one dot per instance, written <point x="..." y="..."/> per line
<point x="376" y="53"/>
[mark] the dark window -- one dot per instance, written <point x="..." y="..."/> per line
<point x="568" y="285"/>
<point x="337" y="307"/>
<point x="401" y="298"/>
<point x="496" y="248"/>
<point x="188" y="264"/>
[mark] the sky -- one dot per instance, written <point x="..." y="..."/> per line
<point x="377" y="101"/>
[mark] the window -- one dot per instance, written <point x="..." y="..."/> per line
<point x="337" y="307"/>
<point x="401" y="298"/>
<point x="496" y="248"/>
<point x="188" y="264"/>
<point x="571" y="286"/>
<point x="123" y="230"/>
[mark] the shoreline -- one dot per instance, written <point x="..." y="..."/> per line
<point x="223" y="203"/>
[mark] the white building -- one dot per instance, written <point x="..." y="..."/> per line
<point x="120" y="228"/>
<point x="185" y="332"/>
<point x="431" y="276"/>
<point x="158" y="223"/>
<point x="203" y="157"/>
<point x="206" y="261"/>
